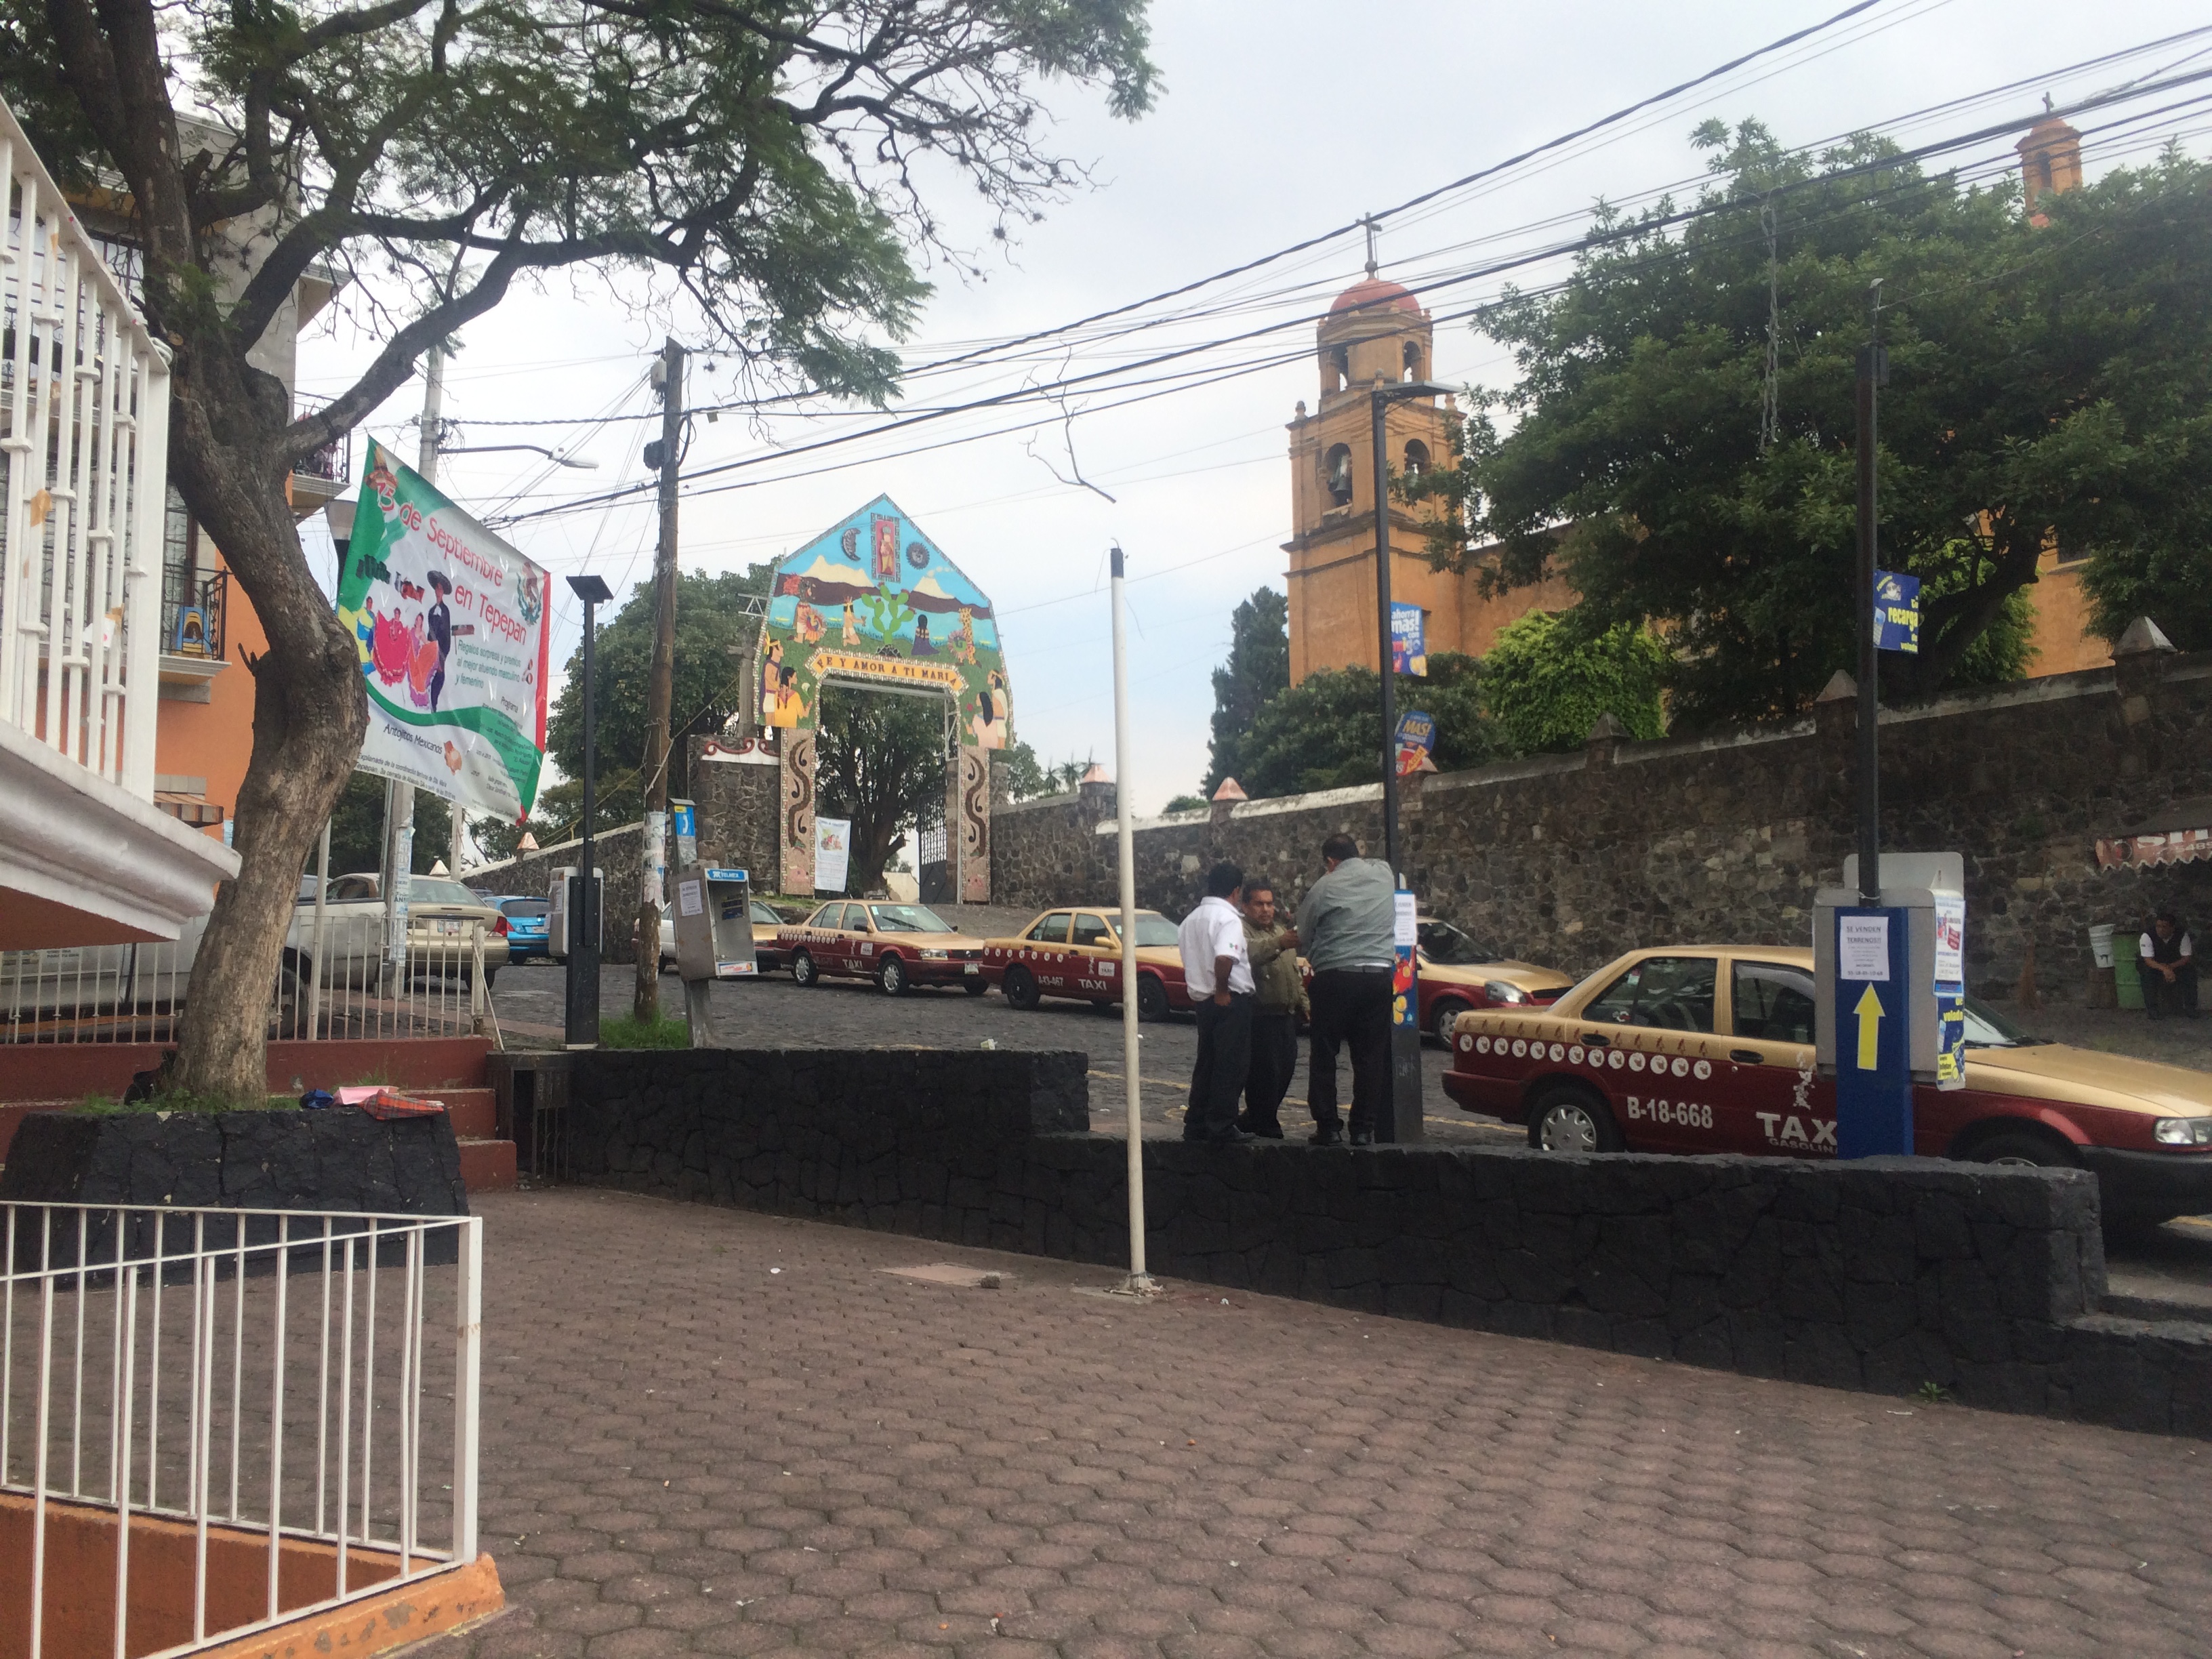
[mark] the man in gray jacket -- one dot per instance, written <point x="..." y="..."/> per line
<point x="1346" y="930"/>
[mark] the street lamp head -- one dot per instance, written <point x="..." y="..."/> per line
<point x="592" y="590"/>
<point x="339" y="512"/>
<point x="1399" y="391"/>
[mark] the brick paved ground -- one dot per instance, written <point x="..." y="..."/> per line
<point x="688" y="1451"/>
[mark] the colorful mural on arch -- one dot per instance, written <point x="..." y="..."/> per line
<point x="873" y="603"/>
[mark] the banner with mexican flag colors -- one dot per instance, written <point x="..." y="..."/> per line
<point x="450" y="623"/>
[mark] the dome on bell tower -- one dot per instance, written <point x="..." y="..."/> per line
<point x="1375" y="292"/>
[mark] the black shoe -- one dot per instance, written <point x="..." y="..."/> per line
<point x="1233" y="1136"/>
<point x="1327" y="1136"/>
<point x="1259" y="1128"/>
<point x="1362" y="1137"/>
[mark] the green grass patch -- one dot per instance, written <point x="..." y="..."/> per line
<point x="178" y="1100"/>
<point x="628" y="1032"/>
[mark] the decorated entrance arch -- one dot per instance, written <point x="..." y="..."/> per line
<point x="873" y="604"/>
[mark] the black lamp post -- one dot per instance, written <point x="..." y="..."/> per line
<point x="1402" y="1121"/>
<point x="583" y="1026"/>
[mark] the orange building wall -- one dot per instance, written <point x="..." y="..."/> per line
<point x="215" y="739"/>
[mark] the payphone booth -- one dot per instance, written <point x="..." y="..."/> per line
<point x="713" y="924"/>
<point x="563" y="896"/>
<point x="1890" y="995"/>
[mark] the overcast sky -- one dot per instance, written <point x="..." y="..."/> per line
<point x="1279" y="119"/>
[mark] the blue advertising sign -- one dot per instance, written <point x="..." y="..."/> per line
<point x="1409" y="653"/>
<point x="1417" y="731"/>
<point x="683" y="820"/>
<point x="1896" y="611"/>
<point x="1874" y="1040"/>
<point x="1405" y="975"/>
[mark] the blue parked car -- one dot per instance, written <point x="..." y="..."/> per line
<point x="526" y="924"/>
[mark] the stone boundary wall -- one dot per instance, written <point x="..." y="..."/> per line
<point x="1569" y="859"/>
<point x="1881" y="1275"/>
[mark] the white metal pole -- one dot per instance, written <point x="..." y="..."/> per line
<point x="1140" y="1281"/>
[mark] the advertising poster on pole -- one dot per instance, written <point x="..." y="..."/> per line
<point x="450" y="623"/>
<point x="1896" y="611"/>
<point x="1409" y="651"/>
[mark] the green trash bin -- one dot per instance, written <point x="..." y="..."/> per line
<point x="2126" y="979"/>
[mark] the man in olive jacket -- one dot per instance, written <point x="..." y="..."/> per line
<point x="1276" y="1007"/>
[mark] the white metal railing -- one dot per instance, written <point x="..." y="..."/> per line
<point x="84" y="415"/>
<point x="264" y="1380"/>
<point x="115" y="993"/>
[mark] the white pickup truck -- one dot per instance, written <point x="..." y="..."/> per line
<point x="110" y="979"/>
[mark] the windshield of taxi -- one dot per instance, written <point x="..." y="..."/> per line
<point x="1152" y="928"/>
<point x="907" y="919"/>
<point x="1988" y="1028"/>
<point x="1442" y="943"/>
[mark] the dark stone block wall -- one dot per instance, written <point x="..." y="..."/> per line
<point x="1569" y="859"/>
<point x="1882" y="1274"/>
<point x="339" y="1158"/>
<point x="617" y="853"/>
<point x="736" y="802"/>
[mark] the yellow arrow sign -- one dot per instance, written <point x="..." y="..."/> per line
<point x="1869" y="1012"/>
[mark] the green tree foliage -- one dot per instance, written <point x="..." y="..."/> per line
<point x="1028" y="778"/>
<point x="1326" y="731"/>
<point x="1259" y="667"/>
<point x="878" y="761"/>
<point x="357" y="830"/>
<point x="2042" y="379"/>
<point x="1543" y="686"/>
<point x="1185" y="804"/>
<point x="758" y="158"/>
<point x="715" y="631"/>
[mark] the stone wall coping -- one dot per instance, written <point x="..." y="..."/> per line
<point x="1002" y="809"/>
<point x="557" y="846"/>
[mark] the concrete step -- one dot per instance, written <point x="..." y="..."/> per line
<point x="487" y="1166"/>
<point x="475" y="1112"/>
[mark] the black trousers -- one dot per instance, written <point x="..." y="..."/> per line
<point x="1351" y="1009"/>
<point x="2160" y="999"/>
<point x="1217" y="1080"/>
<point x="1274" y="1061"/>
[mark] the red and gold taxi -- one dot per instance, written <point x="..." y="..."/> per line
<point x="1077" y="953"/>
<point x="1458" y="975"/>
<point x="897" y="945"/>
<point x="1709" y="1048"/>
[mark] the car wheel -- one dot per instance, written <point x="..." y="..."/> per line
<point x="1152" y="999"/>
<point x="490" y="974"/>
<point x="1447" y="1009"/>
<point x="976" y="987"/>
<point x="1568" y="1118"/>
<point x="1021" y="988"/>
<point x="892" y="976"/>
<point x="2025" y="1148"/>
<point x="802" y="969"/>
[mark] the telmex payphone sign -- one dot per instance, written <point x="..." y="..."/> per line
<point x="1924" y="904"/>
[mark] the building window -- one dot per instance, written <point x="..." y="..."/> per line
<point x="1336" y="371"/>
<point x="1413" y="361"/>
<point x="2043" y="170"/>
<point x="1336" y="473"/>
<point x="1417" y="458"/>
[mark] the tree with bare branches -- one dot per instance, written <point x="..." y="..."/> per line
<point x="773" y="163"/>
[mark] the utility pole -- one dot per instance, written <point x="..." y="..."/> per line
<point x="645" y="1004"/>
<point x="1873" y="372"/>
<point x="399" y="808"/>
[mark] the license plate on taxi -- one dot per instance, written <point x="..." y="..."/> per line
<point x="449" y="924"/>
<point x="971" y="968"/>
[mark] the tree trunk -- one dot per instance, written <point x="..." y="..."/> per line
<point x="310" y="714"/>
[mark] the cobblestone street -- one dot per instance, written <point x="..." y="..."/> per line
<point x="708" y="1432"/>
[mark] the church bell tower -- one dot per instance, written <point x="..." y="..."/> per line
<point x="1375" y="330"/>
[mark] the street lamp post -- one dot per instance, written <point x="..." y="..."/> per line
<point x="1403" y="1122"/>
<point x="582" y="1023"/>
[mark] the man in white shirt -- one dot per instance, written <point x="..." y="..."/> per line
<point x="2168" y="967"/>
<point x="1218" y="974"/>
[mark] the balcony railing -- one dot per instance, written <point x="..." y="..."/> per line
<point x="192" y="606"/>
<point x="333" y="462"/>
<point x="84" y="413"/>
